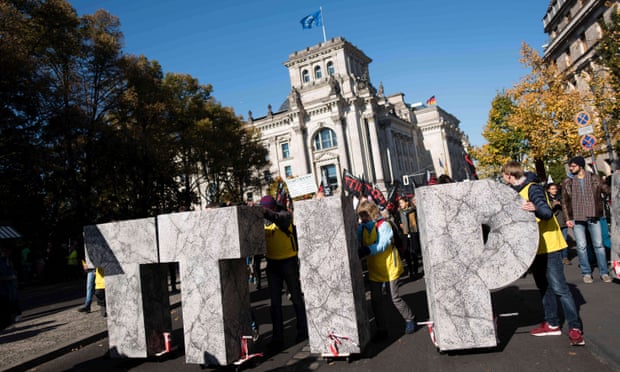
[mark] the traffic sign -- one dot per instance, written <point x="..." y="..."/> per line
<point x="585" y="130"/>
<point x="588" y="142"/>
<point x="582" y="118"/>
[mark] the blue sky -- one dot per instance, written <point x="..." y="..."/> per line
<point x="462" y="52"/>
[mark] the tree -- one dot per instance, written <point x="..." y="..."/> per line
<point x="505" y="142"/>
<point x="230" y="154"/>
<point x="544" y="111"/>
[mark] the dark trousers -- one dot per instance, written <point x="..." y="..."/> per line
<point x="278" y="272"/>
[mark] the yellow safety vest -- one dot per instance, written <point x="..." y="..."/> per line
<point x="385" y="266"/>
<point x="99" y="280"/>
<point x="279" y="245"/>
<point x="550" y="238"/>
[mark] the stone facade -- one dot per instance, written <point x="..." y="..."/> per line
<point x="335" y="119"/>
<point x="574" y="32"/>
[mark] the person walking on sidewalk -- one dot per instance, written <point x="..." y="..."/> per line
<point x="90" y="288"/>
<point x="555" y="197"/>
<point x="583" y="208"/>
<point x="547" y="268"/>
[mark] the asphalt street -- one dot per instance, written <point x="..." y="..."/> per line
<point x="53" y="336"/>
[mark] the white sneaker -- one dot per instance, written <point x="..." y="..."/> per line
<point x="606" y="278"/>
<point x="587" y="279"/>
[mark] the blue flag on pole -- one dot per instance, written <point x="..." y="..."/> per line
<point x="311" y="19"/>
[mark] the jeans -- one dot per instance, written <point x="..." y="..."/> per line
<point x="548" y="273"/>
<point x="278" y="272"/>
<point x="594" y="228"/>
<point x="90" y="287"/>
<point x="564" y="251"/>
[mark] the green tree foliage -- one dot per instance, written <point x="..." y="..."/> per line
<point x="504" y="141"/>
<point x="533" y="122"/>
<point x="89" y="135"/>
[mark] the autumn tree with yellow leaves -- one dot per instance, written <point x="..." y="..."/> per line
<point x="534" y="122"/>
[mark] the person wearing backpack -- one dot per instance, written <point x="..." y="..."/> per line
<point x="384" y="266"/>
<point x="282" y="266"/>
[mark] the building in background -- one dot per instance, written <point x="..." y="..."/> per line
<point x="574" y="32"/>
<point x="334" y="119"/>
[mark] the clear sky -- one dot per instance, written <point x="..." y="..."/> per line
<point x="462" y="52"/>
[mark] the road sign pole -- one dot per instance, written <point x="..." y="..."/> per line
<point x="593" y="162"/>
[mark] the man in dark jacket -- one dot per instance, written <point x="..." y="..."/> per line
<point x="547" y="268"/>
<point x="583" y="208"/>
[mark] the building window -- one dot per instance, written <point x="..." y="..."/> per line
<point x="330" y="68"/>
<point x="583" y="43"/>
<point x="305" y="76"/>
<point x="317" y="72"/>
<point x="285" y="151"/>
<point x="325" y="139"/>
<point x="329" y="176"/>
<point x="567" y="60"/>
<point x="288" y="171"/>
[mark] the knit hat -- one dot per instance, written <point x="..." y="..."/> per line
<point x="579" y="160"/>
<point x="268" y="202"/>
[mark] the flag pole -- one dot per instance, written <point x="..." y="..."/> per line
<point x="323" y="24"/>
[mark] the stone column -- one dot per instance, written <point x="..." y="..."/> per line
<point x="375" y="150"/>
<point x="459" y="269"/>
<point x="137" y="301"/>
<point x="331" y="274"/>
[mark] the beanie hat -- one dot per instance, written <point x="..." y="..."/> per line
<point x="268" y="202"/>
<point x="579" y="160"/>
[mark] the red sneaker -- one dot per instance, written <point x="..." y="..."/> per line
<point x="546" y="330"/>
<point x="576" y="337"/>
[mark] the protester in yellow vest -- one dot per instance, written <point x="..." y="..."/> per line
<point x="548" y="269"/>
<point x="384" y="265"/>
<point x="282" y="266"/>
<point x="100" y="290"/>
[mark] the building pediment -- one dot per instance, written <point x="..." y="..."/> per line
<point x="321" y="156"/>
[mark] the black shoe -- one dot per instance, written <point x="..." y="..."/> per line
<point x="84" y="309"/>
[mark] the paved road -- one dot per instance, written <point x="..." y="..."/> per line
<point x="53" y="336"/>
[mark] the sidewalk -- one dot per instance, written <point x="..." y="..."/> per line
<point x="48" y="331"/>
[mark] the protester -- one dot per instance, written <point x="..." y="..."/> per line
<point x="282" y="267"/>
<point x="90" y="288"/>
<point x="409" y="228"/>
<point x="384" y="266"/>
<point x="555" y="198"/>
<point x="547" y="269"/>
<point x="100" y="291"/>
<point x="583" y="208"/>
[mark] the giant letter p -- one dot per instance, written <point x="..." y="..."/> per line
<point x="459" y="268"/>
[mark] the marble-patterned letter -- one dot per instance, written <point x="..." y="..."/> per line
<point x="137" y="300"/>
<point x="459" y="268"/>
<point x="331" y="274"/>
<point x="211" y="246"/>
